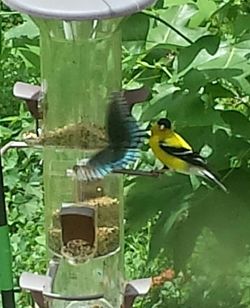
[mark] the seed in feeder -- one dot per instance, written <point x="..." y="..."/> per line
<point x="56" y="219"/>
<point x="107" y="210"/>
<point x="102" y="201"/>
<point x="54" y="240"/>
<point x="77" y="249"/>
<point x="108" y="240"/>
<point x="77" y="135"/>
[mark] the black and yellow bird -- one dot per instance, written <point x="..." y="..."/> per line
<point x="176" y="154"/>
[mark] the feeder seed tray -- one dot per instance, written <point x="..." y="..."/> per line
<point x="107" y="211"/>
<point x="72" y="136"/>
<point x="107" y="242"/>
<point x="107" y="232"/>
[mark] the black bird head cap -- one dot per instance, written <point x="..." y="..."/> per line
<point x="164" y="123"/>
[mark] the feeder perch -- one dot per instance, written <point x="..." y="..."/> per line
<point x="135" y="288"/>
<point x="31" y="94"/>
<point x="40" y="287"/>
<point x="36" y="285"/>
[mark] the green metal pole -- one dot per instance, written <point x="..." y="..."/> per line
<point x="6" y="279"/>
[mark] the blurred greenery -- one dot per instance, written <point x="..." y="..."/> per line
<point x="194" y="56"/>
<point x="200" y="80"/>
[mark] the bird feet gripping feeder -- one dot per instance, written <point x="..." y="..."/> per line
<point x="80" y="67"/>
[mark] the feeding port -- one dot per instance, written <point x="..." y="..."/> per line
<point x="89" y="227"/>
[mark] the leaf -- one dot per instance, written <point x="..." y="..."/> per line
<point x="158" y="103"/>
<point x="11" y="161"/>
<point x="179" y="2"/>
<point x="11" y="179"/>
<point x="190" y="110"/>
<point x="228" y="218"/>
<point x="4" y="133"/>
<point x="28" y="28"/>
<point x="31" y="56"/>
<point x="196" y="79"/>
<point x="240" y="24"/>
<point x="216" y="90"/>
<point x="224" y="147"/>
<point x="135" y="29"/>
<point x="239" y="124"/>
<point x="231" y="223"/>
<point x="40" y="239"/>
<point x="206" y="9"/>
<point x="184" y="237"/>
<point x="187" y="54"/>
<point x="231" y="58"/>
<point x="149" y="195"/>
<point x="158" y="52"/>
<point x="25" y="42"/>
<point x="162" y="230"/>
<point x="178" y="17"/>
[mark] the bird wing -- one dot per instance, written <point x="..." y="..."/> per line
<point x="175" y="140"/>
<point x="185" y="154"/>
<point x="122" y="129"/>
<point x="124" y="138"/>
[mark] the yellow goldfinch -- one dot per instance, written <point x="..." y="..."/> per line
<point x="176" y="154"/>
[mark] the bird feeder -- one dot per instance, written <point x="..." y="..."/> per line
<point x="80" y="67"/>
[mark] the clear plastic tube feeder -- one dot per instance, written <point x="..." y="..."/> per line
<point x="80" y="68"/>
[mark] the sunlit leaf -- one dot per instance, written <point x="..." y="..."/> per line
<point x="206" y="9"/>
<point x="28" y="29"/>
<point x="177" y="16"/>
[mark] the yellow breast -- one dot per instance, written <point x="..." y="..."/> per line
<point x="170" y="161"/>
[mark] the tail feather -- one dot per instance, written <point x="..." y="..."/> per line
<point x="210" y="176"/>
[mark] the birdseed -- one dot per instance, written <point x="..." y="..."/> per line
<point x="83" y="136"/>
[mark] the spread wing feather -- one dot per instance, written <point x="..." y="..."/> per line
<point x="124" y="140"/>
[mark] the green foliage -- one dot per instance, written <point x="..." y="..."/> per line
<point x="18" y="57"/>
<point x="22" y="168"/>
<point x="198" y="69"/>
<point x="23" y="192"/>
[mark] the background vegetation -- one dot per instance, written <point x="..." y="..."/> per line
<point x="194" y="55"/>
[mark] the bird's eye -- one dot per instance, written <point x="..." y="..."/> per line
<point x="162" y="127"/>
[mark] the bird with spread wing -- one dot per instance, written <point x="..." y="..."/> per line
<point x="124" y="141"/>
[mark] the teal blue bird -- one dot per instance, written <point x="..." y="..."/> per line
<point x="124" y="141"/>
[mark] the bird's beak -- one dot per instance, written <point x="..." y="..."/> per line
<point x="162" y="127"/>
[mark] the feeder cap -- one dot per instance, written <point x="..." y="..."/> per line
<point x="78" y="9"/>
